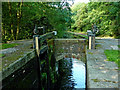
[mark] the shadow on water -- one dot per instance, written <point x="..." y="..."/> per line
<point x="71" y="74"/>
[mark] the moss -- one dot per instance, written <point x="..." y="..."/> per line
<point x="90" y="53"/>
<point x="96" y="80"/>
<point x="109" y="81"/>
<point x="52" y="77"/>
<point x="42" y="62"/>
<point x="12" y="57"/>
<point x="98" y="45"/>
<point x="44" y="75"/>
<point x="0" y="65"/>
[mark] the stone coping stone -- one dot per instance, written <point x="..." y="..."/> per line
<point x="17" y="64"/>
<point x="8" y="50"/>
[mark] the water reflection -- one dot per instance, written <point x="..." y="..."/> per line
<point x="71" y="74"/>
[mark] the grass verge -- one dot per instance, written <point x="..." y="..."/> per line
<point x="6" y="45"/>
<point x="86" y="37"/>
<point x="119" y="46"/>
<point x="113" y="55"/>
<point x="1" y="55"/>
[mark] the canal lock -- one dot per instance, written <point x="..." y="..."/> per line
<point x="66" y="70"/>
<point x="71" y="64"/>
<point x="56" y="69"/>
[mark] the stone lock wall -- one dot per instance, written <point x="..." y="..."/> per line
<point x="70" y="48"/>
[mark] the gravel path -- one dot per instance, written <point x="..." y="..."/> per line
<point x="102" y="73"/>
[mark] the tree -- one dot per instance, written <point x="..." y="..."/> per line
<point x="19" y="18"/>
<point x="104" y="14"/>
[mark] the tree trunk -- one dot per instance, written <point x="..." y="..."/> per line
<point x="19" y="15"/>
<point x="11" y="22"/>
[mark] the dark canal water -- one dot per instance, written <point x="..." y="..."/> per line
<point x="72" y="74"/>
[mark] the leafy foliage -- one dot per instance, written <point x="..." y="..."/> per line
<point x="19" y="18"/>
<point x="104" y="14"/>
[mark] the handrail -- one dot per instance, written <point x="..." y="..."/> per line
<point x="42" y="38"/>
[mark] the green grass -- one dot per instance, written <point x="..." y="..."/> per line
<point x="86" y="37"/>
<point x="113" y="55"/>
<point x="98" y="45"/>
<point x="1" y="55"/>
<point x="119" y="46"/>
<point x="6" y="45"/>
<point x="90" y="53"/>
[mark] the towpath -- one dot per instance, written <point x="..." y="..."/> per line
<point x="102" y="73"/>
<point x="14" y="53"/>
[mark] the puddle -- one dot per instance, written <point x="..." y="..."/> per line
<point x="72" y="74"/>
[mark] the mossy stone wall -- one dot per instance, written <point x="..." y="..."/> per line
<point x="70" y="48"/>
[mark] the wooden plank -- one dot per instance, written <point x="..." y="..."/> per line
<point x="28" y="72"/>
<point x="90" y="39"/>
<point x="93" y="42"/>
<point x="59" y="57"/>
<point x="37" y="46"/>
<point x="20" y="62"/>
<point x="17" y="64"/>
<point x="48" y="70"/>
<point x="42" y="38"/>
<point x="43" y="49"/>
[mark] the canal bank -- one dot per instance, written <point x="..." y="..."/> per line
<point x="21" y="69"/>
<point x="100" y="72"/>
